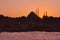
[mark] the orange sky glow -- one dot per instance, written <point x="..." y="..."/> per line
<point x="16" y="8"/>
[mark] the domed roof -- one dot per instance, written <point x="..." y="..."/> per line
<point x="33" y="17"/>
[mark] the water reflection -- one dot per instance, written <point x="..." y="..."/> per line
<point x="30" y="36"/>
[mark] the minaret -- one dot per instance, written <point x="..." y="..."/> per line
<point x="46" y="13"/>
<point x="37" y="11"/>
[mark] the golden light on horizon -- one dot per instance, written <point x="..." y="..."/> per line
<point x="16" y="8"/>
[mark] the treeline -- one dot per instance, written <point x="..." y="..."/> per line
<point x="30" y="23"/>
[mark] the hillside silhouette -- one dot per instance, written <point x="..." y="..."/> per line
<point x="30" y="23"/>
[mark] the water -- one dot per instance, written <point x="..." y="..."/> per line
<point x="30" y="36"/>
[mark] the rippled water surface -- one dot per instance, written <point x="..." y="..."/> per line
<point x="30" y="36"/>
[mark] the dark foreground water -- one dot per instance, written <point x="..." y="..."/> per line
<point x="30" y="36"/>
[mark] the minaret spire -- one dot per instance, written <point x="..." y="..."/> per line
<point x="46" y="13"/>
<point x="37" y="11"/>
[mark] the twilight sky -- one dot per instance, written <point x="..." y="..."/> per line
<point x="15" y="8"/>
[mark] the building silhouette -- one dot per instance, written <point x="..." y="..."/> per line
<point x="30" y="23"/>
